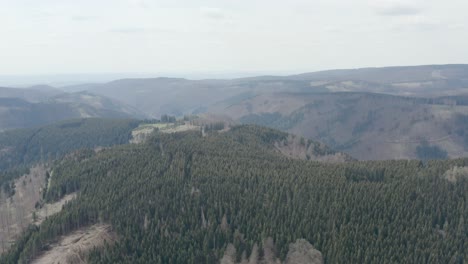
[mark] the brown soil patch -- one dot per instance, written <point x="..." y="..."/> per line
<point x="73" y="248"/>
<point x="16" y="211"/>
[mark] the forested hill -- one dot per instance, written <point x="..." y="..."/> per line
<point x="19" y="149"/>
<point x="23" y="146"/>
<point x="193" y="198"/>
<point x="26" y="108"/>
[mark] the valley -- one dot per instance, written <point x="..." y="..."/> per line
<point x="234" y="132"/>
<point x="370" y="113"/>
<point x="366" y="126"/>
<point x="389" y="106"/>
<point x="328" y="167"/>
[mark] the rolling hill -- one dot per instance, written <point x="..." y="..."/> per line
<point x="26" y="147"/>
<point x="177" y="96"/>
<point x="367" y="126"/>
<point x="24" y="109"/>
<point x="33" y="94"/>
<point x="337" y="107"/>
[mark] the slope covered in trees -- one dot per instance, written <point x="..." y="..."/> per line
<point x="31" y="110"/>
<point x="367" y="126"/>
<point x="188" y="198"/>
<point x="19" y="149"/>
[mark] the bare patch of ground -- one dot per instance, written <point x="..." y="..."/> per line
<point x="141" y="133"/>
<point x="180" y="128"/>
<point x="300" y="148"/>
<point x="16" y="211"/>
<point x="300" y="252"/>
<point x="456" y="173"/>
<point x="19" y="211"/>
<point x="53" y="208"/>
<point x="74" y="247"/>
<point x="5" y="150"/>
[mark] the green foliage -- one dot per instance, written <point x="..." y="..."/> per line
<point x="462" y="131"/>
<point x="183" y="185"/>
<point x="6" y="178"/>
<point x="263" y="119"/>
<point x="26" y="146"/>
<point x="275" y="120"/>
<point x="19" y="149"/>
<point x="427" y="152"/>
<point x="214" y="126"/>
<point x="168" y="119"/>
<point x="365" y="125"/>
<point x="236" y="99"/>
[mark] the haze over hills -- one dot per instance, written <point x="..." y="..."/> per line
<point x="178" y="96"/>
<point x="424" y="81"/>
<point x="234" y="132"/>
<point x="33" y="94"/>
<point x="39" y="105"/>
<point x="367" y="126"/>
<point x="181" y="96"/>
<point x="335" y="107"/>
<point x="236" y="194"/>
<point x="379" y="128"/>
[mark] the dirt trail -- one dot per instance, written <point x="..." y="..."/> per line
<point x="74" y="247"/>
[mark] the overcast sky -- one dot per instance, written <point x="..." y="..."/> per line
<point x="183" y="36"/>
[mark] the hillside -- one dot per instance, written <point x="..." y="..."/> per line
<point x="232" y="198"/>
<point x="27" y="154"/>
<point x="367" y="112"/>
<point x="20" y="149"/>
<point x="30" y="110"/>
<point x="366" y="126"/>
<point x="421" y="81"/>
<point x="33" y="94"/>
<point x="177" y="96"/>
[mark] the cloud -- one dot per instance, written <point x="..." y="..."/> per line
<point x="457" y="26"/>
<point x="128" y="30"/>
<point x="417" y="22"/>
<point x="43" y="15"/>
<point x="213" y="13"/>
<point x="83" y="18"/>
<point x="144" y="4"/>
<point x="332" y="29"/>
<point x="397" y="7"/>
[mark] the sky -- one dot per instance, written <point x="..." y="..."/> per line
<point x="180" y="37"/>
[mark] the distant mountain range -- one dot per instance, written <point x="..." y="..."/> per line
<point x="287" y="185"/>
<point x="335" y="107"/>
<point x="418" y="113"/>
<point x="181" y="96"/>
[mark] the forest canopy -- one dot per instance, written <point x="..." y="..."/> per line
<point x="186" y="198"/>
